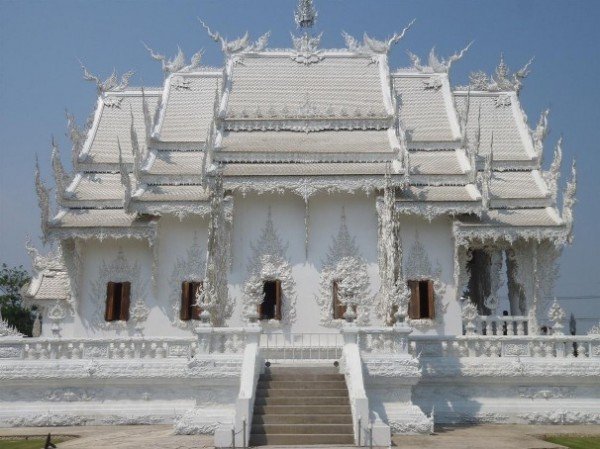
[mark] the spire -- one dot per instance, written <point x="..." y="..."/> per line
<point x="305" y="14"/>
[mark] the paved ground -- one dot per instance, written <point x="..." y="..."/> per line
<point x="485" y="436"/>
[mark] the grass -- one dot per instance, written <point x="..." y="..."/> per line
<point x="21" y="443"/>
<point x="572" y="442"/>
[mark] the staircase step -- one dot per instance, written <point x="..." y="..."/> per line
<point x="295" y="409"/>
<point x="303" y="370"/>
<point x="343" y="418"/>
<point x="300" y="439"/>
<point x="318" y="400"/>
<point x="303" y="384"/>
<point x="313" y="429"/>
<point x="300" y="393"/>
<point x="301" y="377"/>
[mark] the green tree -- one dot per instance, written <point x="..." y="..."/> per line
<point x="12" y="279"/>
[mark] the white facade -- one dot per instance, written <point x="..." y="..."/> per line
<point x="306" y="167"/>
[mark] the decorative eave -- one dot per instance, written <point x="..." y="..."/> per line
<point x="305" y="187"/>
<point x="483" y="232"/>
<point x="308" y="123"/>
<point x="144" y="228"/>
<point x="430" y="210"/>
<point x="180" y="210"/>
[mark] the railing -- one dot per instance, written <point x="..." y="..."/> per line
<point x="210" y="341"/>
<point x="501" y="325"/>
<point x="301" y="346"/>
<point x="543" y="346"/>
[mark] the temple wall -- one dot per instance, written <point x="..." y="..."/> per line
<point x="288" y="215"/>
<point x="176" y="237"/>
<point x="437" y="240"/>
<point x="181" y="254"/>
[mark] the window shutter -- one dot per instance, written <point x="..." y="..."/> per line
<point x="109" y="313"/>
<point x="414" y="309"/>
<point x="196" y="287"/>
<point x="278" y="299"/>
<point x="339" y="309"/>
<point x="431" y="299"/>
<point x="125" y="299"/>
<point x="184" y="311"/>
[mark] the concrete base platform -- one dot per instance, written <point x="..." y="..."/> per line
<point x="483" y="436"/>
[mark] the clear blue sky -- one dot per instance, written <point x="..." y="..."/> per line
<point x="41" y="42"/>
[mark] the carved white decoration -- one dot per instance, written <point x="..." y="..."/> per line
<point x="569" y="202"/>
<point x="307" y="49"/>
<point x="7" y="330"/>
<point x="189" y="269"/>
<point x="552" y="176"/>
<point x="43" y="200"/>
<point x="77" y="136"/>
<point x="374" y="46"/>
<point x="112" y="83"/>
<point x="503" y="100"/>
<point x="178" y="63"/>
<point x="120" y="270"/>
<point x="433" y="83"/>
<point x="268" y="263"/>
<point x="501" y="80"/>
<point x="557" y="315"/>
<point x="60" y="176"/>
<point x="435" y="64"/>
<point x="112" y="102"/>
<point x="418" y="267"/>
<point x="540" y="133"/>
<point x="594" y="330"/>
<point x="238" y="46"/>
<point x="344" y="264"/>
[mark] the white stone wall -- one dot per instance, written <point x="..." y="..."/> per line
<point x="172" y="258"/>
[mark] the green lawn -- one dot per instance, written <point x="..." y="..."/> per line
<point x="574" y="442"/>
<point x="32" y="443"/>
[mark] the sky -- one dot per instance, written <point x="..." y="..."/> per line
<point x="41" y="43"/>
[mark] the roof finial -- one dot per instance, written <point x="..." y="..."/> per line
<point x="305" y="14"/>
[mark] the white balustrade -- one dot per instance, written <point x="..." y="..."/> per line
<point x="301" y="346"/>
<point x="501" y="325"/>
<point x="542" y="346"/>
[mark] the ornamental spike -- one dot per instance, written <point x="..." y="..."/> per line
<point x="138" y="155"/>
<point x="305" y="15"/>
<point x="125" y="181"/>
<point x="540" y="133"/>
<point x="569" y="201"/>
<point x="59" y="171"/>
<point x="553" y="174"/>
<point x="43" y="200"/>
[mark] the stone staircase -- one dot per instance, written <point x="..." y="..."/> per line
<point x="301" y="406"/>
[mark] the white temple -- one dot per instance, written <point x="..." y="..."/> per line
<point x="302" y="207"/>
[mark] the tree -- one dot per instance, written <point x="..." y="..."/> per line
<point x="12" y="279"/>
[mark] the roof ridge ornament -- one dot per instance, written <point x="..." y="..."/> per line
<point x="178" y="63"/>
<point x="241" y="45"/>
<point x="434" y="63"/>
<point x="305" y="14"/>
<point x="540" y="133"/>
<point x="373" y="46"/>
<point x="43" y="200"/>
<point x="111" y="83"/>
<point x="569" y="201"/>
<point x="502" y="79"/>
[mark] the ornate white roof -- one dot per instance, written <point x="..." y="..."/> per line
<point x="306" y="120"/>
<point x="426" y="109"/>
<point x="271" y="84"/>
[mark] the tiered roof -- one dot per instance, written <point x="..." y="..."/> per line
<point x="308" y="120"/>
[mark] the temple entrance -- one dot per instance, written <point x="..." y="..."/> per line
<point x="270" y="308"/>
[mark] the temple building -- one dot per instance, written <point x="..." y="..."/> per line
<point x="302" y="215"/>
